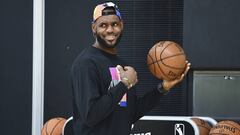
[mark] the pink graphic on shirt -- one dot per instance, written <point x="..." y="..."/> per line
<point x="115" y="80"/>
<point x="115" y="73"/>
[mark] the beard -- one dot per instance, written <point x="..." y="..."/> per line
<point x="104" y="44"/>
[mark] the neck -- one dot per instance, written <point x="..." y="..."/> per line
<point x="105" y="49"/>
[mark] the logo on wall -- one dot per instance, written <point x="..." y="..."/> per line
<point x="179" y="129"/>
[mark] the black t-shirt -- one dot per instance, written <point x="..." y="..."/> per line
<point x="102" y="105"/>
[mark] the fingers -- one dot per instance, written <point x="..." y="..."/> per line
<point x="187" y="68"/>
<point x="130" y="69"/>
<point x="127" y="68"/>
<point x="185" y="72"/>
<point x="169" y="84"/>
<point x="120" y="68"/>
<point x="181" y="77"/>
<point x="129" y="73"/>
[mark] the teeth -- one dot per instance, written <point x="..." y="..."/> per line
<point x="110" y="37"/>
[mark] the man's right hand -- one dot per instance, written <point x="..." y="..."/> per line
<point x="128" y="75"/>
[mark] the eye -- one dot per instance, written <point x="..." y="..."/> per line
<point x="103" y="25"/>
<point x="115" y="24"/>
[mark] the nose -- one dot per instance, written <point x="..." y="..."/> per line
<point x="109" y="29"/>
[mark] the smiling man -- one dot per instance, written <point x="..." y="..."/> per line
<point x="104" y="96"/>
<point x="107" y="27"/>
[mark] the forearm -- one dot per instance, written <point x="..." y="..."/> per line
<point x="146" y="103"/>
<point x="103" y="106"/>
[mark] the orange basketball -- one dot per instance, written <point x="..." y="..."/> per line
<point x="166" y="60"/>
<point x="53" y="126"/>
<point x="203" y="126"/>
<point x="226" y="127"/>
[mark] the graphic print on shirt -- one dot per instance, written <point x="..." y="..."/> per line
<point x="115" y="80"/>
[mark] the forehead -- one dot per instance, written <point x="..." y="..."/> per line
<point x="107" y="19"/>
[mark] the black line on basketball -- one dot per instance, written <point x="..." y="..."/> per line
<point x="46" y="128"/>
<point x="162" y="70"/>
<point x="55" y="126"/>
<point x="172" y="56"/>
<point x="151" y="59"/>
<point x="164" y="49"/>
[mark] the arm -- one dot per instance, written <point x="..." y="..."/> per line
<point x="146" y="103"/>
<point x="91" y="105"/>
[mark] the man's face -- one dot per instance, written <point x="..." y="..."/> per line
<point x="108" y="30"/>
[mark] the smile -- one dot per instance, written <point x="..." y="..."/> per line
<point x="110" y="37"/>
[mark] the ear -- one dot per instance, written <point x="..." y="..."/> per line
<point x="121" y="24"/>
<point x="94" y="28"/>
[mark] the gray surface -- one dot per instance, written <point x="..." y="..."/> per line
<point x="216" y="94"/>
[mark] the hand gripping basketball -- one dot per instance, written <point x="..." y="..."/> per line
<point x="168" y="84"/>
<point x="128" y="75"/>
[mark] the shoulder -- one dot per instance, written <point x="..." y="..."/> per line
<point x="86" y="59"/>
<point x="83" y="62"/>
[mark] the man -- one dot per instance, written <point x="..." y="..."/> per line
<point x="105" y="101"/>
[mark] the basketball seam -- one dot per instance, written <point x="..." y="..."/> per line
<point x="169" y="57"/>
<point x="161" y="61"/>
<point x="46" y="128"/>
<point x="173" y="56"/>
<point x="204" y="127"/>
<point x="153" y="65"/>
<point x="156" y="53"/>
<point x="164" y="58"/>
<point x="155" y="50"/>
<point x="166" y="65"/>
<point x="55" y="126"/>
<point x="172" y="67"/>
<point x="164" y="49"/>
